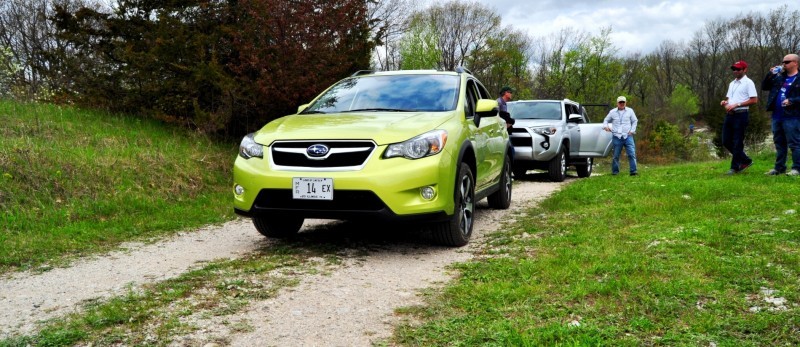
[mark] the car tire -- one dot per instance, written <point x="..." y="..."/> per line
<point x="585" y="170"/>
<point x="558" y="167"/>
<point x="457" y="230"/>
<point x="501" y="199"/>
<point x="278" y="226"/>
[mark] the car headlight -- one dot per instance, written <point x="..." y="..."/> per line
<point x="424" y="145"/>
<point x="249" y="148"/>
<point x="544" y="131"/>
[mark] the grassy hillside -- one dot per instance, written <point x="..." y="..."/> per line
<point x="76" y="182"/>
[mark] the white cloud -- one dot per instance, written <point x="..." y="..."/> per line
<point x="637" y="26"/>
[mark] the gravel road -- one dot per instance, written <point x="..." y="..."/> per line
<point x="352" y="305"/>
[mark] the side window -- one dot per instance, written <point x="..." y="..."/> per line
<point x="585" y="115"/>
<point x="471" y="100"/>
<point x="482" y="92"/>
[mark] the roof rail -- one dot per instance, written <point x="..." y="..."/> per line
<point x="361" y="72"/>
<point x="461" y="69"/>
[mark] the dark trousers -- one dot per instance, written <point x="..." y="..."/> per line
<point x="733" y="138"/>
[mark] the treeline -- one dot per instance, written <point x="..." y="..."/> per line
<point x="220" y="66"/>
<point x="229" y="66"/>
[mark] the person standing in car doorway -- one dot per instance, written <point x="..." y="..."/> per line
<point x="621" y="122"/>
<point x="506" y="94"/>
<point x="741" y="94"/>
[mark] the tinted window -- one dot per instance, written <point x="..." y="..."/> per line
<point x="535" y="110"/>
<point x="390" y="93"/>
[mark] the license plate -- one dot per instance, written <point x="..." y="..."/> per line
<point x="312" y="188"/>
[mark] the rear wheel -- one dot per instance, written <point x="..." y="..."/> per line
<point x="558" y="167"/>
<point x="458" y="229"/>
<point x="277" y="226"/>
<point x="501" y="199"/>
<point x="585" y="169"/>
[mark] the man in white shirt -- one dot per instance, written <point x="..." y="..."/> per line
<point x="621" y="122"/>
<point x="741" y="94"/>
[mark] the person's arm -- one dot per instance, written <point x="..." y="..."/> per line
<point x="769" y="79"/>
<point x="752" y="101"/>
<point x="606" y="120"/>
<point x="634" y="122"/>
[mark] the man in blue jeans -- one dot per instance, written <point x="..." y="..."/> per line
<point x="784" y="102"/>
<point x="621" y="122"/>
<point x="741" y="94"/>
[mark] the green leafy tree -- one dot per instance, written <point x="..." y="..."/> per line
<point x="593" y="71"/>
<point x="418" y="47"/>
<point x="683" y="103"/>
<point x="504" y="61"/>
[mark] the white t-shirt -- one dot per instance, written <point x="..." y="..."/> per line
<point x="741" y="90"/>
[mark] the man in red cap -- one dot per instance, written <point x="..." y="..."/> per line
<point x="741" y="94"/>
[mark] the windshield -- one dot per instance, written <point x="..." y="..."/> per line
<point x="399" y="93"/>
<point x="535" y="110"/>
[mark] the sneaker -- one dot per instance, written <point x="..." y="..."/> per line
<point x="744" y="166"/>
<point x="731" y="172"/>
<point x="773" y="172"/>
<point x="793" y="173"/>
<point x="634" y="174"/>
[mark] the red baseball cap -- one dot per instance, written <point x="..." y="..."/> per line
<point x="739" y="64"/>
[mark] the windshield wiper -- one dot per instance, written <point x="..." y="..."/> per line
<point x="312" y="112"/>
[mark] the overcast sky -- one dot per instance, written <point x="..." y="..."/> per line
<point x="637" y="26"/>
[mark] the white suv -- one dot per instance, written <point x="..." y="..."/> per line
<point x="553" y="135"/>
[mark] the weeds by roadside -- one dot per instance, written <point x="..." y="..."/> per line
<point x="77" y="182"/>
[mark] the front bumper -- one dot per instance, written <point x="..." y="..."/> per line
<point x="530" y="146"/>
<point x="383" y="188"/>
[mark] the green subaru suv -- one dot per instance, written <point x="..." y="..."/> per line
<point x="412" y="146"/>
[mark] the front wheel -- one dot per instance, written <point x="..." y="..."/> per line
<point x="501" y="199"/>
<point x="558" y="167"/>
<point x="278" y="226"/>
<point x="457" y="230"/>
<point x="585" y="169"/>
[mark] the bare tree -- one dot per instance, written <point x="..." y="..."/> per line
<point x="28" y="34"/>
<point x="463" y="28"/>
<point x="388" y="23"/>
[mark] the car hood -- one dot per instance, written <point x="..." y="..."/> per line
<point x="528" y="123"/>
<point x="381" y="127"/>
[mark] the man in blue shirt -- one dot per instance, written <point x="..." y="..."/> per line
<point x="784" y="102"/>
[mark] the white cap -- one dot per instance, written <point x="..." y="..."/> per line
<point x="622" y="98"/>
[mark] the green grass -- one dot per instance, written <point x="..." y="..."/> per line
<point x="76" y="182"/>
<point x="680" y="256"/>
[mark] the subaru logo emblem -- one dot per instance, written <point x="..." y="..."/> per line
<point x="318" y="150"/>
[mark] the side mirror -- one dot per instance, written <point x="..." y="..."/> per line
<point x="575" y="118"/>
<point x="485" y="108"/>
<point x="302" y="108"/>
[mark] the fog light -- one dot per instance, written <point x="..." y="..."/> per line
<point x="239" y="190"/>
<point x="545" y="144"/>
<point x="428" y="193"/>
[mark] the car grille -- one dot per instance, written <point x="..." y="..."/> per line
<point x="343" y="200"/>
<point x="343" y="155"/>
<point x="521" y="138"/>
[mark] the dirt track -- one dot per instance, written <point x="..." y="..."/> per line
<point x="351" y="306"/>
